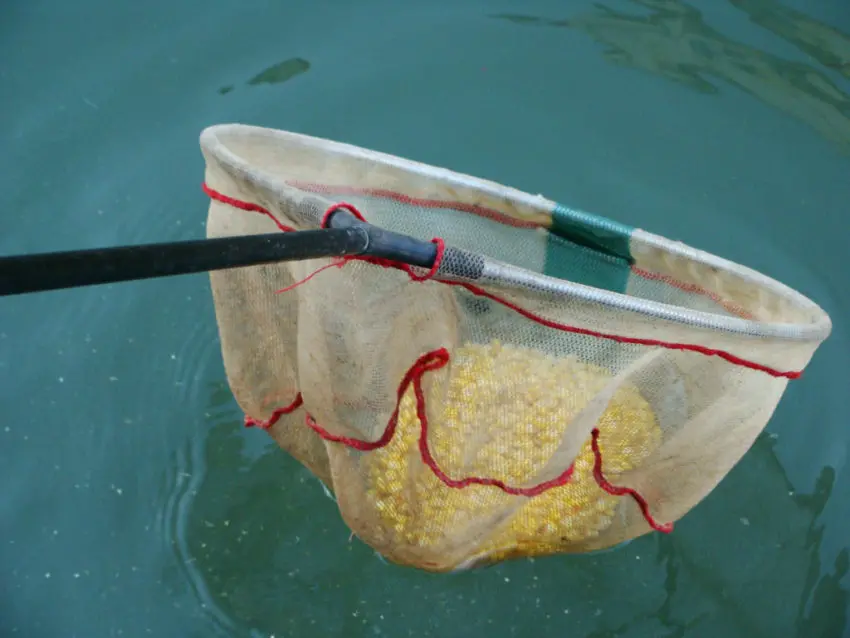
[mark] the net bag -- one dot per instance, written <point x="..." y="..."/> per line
<point x="558" y="382"/>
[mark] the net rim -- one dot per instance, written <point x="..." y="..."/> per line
<point x="214" y="147"/>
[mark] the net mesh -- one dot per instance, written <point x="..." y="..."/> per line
<point x="480" y="412"/>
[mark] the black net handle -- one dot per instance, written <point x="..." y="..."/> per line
<point x="345" y="236"/>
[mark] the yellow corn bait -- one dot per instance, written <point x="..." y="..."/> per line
<point x="502" y="416"/>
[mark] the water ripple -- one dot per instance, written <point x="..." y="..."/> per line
<point x="185" y="476"/>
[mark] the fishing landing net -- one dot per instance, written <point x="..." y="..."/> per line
<point x="557" y="382"/>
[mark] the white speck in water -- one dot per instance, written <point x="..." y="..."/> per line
<point x="76" y="574"/>
<point x="99" y="211"/>
<point x="56" y="532"/>
<point x="566" y="611"/>
<point x="227" y="523"/>
<point x="61" y="379"/>
<point x="507" y="580"/>
<point x="7" y="429"/>
<point x="91" y="104"/>
<point x="773" y="435"/>
<point x="113" y="378"/>
<point x="791" y="493"/>
<point x="745" y="520"/>
<point x="47" y="575"/>
<point x="598" y="612"/>
<point x="173" y="357"/>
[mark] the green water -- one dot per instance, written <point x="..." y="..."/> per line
<point x="134" y="503"/>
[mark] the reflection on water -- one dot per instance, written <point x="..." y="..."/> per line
<point x="822" y="610"/>
<point x="673" y="41"/>
<point x="771" y="605"/>
<point x="824" y="43"/>
<point x="275" y="74"/>
<point x="186" y="474"/>
<point x="252" y="565"/>
<point x="281" y="72"/>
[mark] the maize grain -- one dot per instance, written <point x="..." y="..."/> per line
<point x="501" y="413"/>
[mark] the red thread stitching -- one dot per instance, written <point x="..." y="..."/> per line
<point x="438" y="359"/>
<point x="428" y="362"/>
<point x="275" y="417"/>
<point x="236" y="203"/>
<point x="622" y="491"/>
<point x="688" y="347"/>
<point x="428" y="459"/>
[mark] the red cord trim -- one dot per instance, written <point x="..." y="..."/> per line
<point x="731" y="358"/>
<point x="275" y="417"/>
<point x="426" y="363"/>
<point x="428" y="459"/>
<point x="434" y="361"/>
<point x="255" y="208"/>
<point x="614" y="490"/>
<point x="688" y="347"/>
